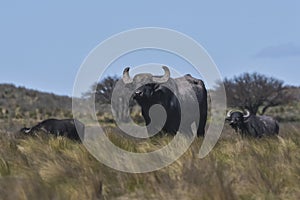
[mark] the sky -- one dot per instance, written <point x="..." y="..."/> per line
<point x="43" y="44"/>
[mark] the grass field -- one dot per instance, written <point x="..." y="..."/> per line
<point x="44" y="167"/>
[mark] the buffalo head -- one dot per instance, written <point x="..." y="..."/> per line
<point x="146" y="91"/>
<point x="236" y="118"/>
<point x="149" y="87"/>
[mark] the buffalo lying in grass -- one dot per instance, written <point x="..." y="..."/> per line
<point x="70" y="128"/>
<point x="249" y="124"/>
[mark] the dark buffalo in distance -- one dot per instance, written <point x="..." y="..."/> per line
<point x="249" y="124"/>
<point x="70" y="128"/>
<point x="156" y="90"/>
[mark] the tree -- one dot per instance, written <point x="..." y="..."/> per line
<point x="256" y="92"/>
<point x="103" y="90"/>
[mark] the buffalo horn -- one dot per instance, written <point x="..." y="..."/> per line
<point x="165" y="77"/>
<point x="247" y="113"/>
<point x="229" y="113"/>
<point x="126" y="77"/>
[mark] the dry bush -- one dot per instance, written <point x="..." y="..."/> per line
<point x="257" y="92"/>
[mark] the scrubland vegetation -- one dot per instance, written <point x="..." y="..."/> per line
<point x="46" y="167"/>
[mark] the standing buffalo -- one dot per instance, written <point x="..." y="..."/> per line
<point x="71" y="128"/>
<point x="183" y="97"/>
<point x="253" y="125"/>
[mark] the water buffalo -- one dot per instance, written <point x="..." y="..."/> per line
<point x="184" y="95"/>
<point x="70" y="128"/>
<point x="249" y="124"/>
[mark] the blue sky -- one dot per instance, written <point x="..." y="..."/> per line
<point x="42" y="44"/>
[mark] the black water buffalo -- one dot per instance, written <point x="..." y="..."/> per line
<point x="70" y="128"/>
<point x="249" y="124"/>
<point x="171" y="93"/>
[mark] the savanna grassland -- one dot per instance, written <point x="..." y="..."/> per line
<point x="46" y="167"/>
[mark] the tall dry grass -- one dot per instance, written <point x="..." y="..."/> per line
<point x="44" y="167"/>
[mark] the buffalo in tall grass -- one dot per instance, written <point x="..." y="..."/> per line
<point x="249" y="124"/>
<point x="71" y="128"/>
